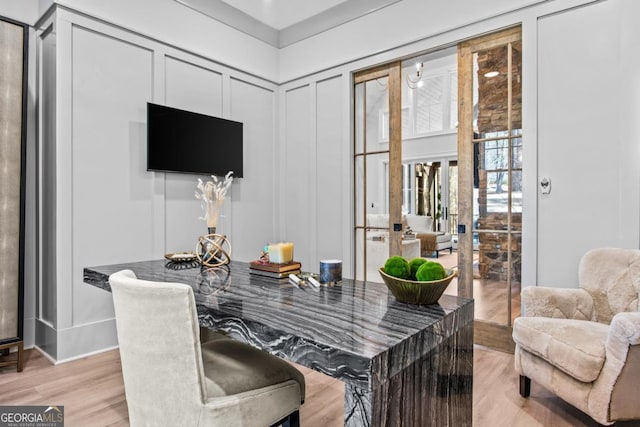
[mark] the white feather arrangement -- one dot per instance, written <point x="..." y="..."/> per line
<point x="211" y="195"/>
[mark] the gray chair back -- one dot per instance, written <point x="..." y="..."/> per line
<point x="158" y="333"/>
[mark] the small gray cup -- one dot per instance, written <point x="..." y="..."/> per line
<point x="330" y="271"/>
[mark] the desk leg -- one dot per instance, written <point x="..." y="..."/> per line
<point x="433" y="391"/>
<point x="357" y="406"/>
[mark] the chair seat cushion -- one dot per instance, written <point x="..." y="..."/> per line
<point x="443" y="238"/>
<point x="576" y="347"/>
<point x="232" y="367"/>
<point x="437" y="237"/>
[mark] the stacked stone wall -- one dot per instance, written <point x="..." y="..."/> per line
<point x="493" y="117"/>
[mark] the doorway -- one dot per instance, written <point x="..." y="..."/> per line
<point x="404" y="156"/>
<point x="377" y="168"/>
<point x="436" y="192"/>
<point x="490" y="182"/>
<point x="442" y="139"/>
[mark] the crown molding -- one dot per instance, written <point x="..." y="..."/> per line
<point x="235" y="18"/>
<point x="321" y="22"/>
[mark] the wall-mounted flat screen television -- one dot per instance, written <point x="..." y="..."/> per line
<point x="189" y="142"/>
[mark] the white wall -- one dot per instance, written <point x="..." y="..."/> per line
<point x="193" y="88"/>
<point x="107" y="207"/>
<point x="315" y="188"/>
<point x="112" y="191"/>
<point x="253" y="211"/>
<point x="394" y="26"/>
<point x="26" y="11"/>
<point x="175" y="24"/>
<point x="45" y="320"/>
<point x="570" y="136"/>
<point x="588" y="140"/>
<point x="298" y="186"/>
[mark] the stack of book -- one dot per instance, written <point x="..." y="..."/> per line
<point x="277" y="271"/>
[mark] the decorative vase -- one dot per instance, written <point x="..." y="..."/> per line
<point x="213" y="250"/>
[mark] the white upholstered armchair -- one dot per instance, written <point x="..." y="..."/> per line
<point x="171" y="379"/>
<point x="584" y="344"/>
<point x="430" y="241"/>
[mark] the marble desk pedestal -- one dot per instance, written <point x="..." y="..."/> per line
<point x="402" y="365"/>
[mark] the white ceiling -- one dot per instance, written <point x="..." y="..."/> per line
<point x="284" y="22"/>
<point x="280" y="14"/>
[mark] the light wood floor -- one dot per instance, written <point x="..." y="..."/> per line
<point x="92" y="393"/>
<point x="490" y="295"/>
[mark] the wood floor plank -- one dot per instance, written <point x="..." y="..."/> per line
<point x="92" y="392"/>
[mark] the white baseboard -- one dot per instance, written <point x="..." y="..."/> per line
<point x="82" y="356"/>
<point x="90" y="338"/>
<point x="45" y="354"/>
<point x="65" y="345"/>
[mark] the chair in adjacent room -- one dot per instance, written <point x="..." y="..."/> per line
<point x="583" y="344"/>
<point x="172" y="379"/>
<point x="430" y="241"/>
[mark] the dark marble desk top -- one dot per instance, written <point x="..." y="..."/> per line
<point x="357" y="320"/>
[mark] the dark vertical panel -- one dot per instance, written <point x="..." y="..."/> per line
<point x="13" y="66"/>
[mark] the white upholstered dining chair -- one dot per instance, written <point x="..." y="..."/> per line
<point x="171" y="379"/>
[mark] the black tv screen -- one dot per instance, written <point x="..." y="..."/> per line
<point x="188" y="142"/>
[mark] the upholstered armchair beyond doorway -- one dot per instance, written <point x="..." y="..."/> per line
<point x="583" y="344"/>
<point x="171" y="379"/>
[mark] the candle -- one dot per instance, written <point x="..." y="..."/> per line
<point x="330" y="271"/>
<point x="281" y="253"/>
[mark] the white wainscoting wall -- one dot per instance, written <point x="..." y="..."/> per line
<point x="588" y="130"/>
<point x="98" y="205"/>
<point x="580" y="101"/>
<point x="316" y="191"/>
<point x="107" y="207"/>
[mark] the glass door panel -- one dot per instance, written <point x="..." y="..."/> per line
<point x="429" y="121"/>
<point x="359" y="195"/>
<point x="359" y="248"/>
<point x="452" y="205"/>
<point x="359" y="121"/>
<point x="375" y="237"/>
<point x="490" y="154"/>
<point x="377" y="171"/>
<point x="377" y="114"/>
<point x="491" y="286"/>
<point x="516" y="87"/>
<point x="499" y="173"/>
